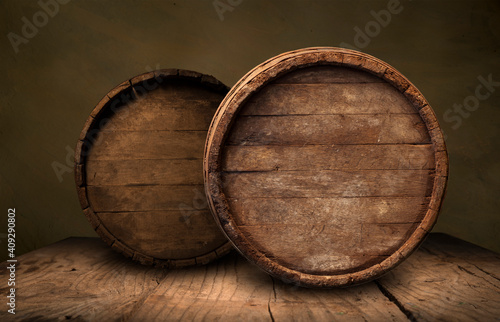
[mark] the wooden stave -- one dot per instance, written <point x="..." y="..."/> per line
<point x="79" y="166"/>
<point x="256" y="79"/>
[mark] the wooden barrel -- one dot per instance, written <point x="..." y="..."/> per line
<point x="325" y="166"/>
<point x="139" y="168"/>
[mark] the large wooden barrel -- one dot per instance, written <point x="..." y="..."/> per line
<point x="139" y="168"/>
<point x="325" y="166"/>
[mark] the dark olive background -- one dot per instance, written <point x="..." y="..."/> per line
<point x="51" y="85"/>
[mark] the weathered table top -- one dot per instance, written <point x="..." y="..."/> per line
<point x="83" y="279"/>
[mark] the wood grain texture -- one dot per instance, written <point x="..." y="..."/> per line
<point x="232" y="289"/>
<point x="326" y="75"/>
<point x="141" y="230"/>
<point x="147" y="145"/>
<point x="329" y="157"/>
<point x="348" y="211"/>
<point x="78" y="279"/>
<point x="139" y="168"/>
<point x="329" y="98"/>
<point x="447" y="280"/>
<point x="131" y="172"/>
<point x="329" y="130"/>
<point x="228" y="289"/>
<point x="82" y="279"/>
<point x="325" y="167"/>
<point x="312" y="184"/>
<point x="146" y="197"/>
<point x="164" y="108"/>
<point x="326" y="248"/>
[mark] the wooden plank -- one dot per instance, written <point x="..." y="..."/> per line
<point x="328" y="129"/>
<point x="328" y="99"/>
<point x="168" y="107"/>
<point x="127" y="172"/>
<point x="82" y="279"/>
<point x="363" y="303"/>
<point x="328" y="248"/>
<point x="337" y="157"/>
<point x="328" y="183"/>
<point x="78" y="278"/>
<point x="447" y="279"/>
<point x="138" y="145"/>
<point x="347" y="211"/>
<point x="454" y="249"/>
<point x="327" y="74"/>
<point x="229" y="289"/>
<point x="232" y="289"/>
<point x="167" y="234"/>
<point x="148" y="114"/>
<point x="144" y="198"/>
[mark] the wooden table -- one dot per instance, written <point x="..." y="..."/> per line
<point x="83" y="279"/>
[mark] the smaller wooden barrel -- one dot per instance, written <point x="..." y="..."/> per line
<point x="325" y="166"/>
<point x="139" y="172"/>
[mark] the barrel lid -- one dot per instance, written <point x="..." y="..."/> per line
<point x="139" y="172"/>
<point x="325" y="166"/>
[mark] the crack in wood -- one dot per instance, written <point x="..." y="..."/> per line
<point x="274" y="288"/>
<point x="270" y="298"/>
<point x="393" y="299"/>
<point x="449" y="259"/>
<point x="138" y="305"/>
<point x="106" y="286"/>
<point x="270" y="312"/>
<point x="487" y="273"/>
<point x="463" y="269"/>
